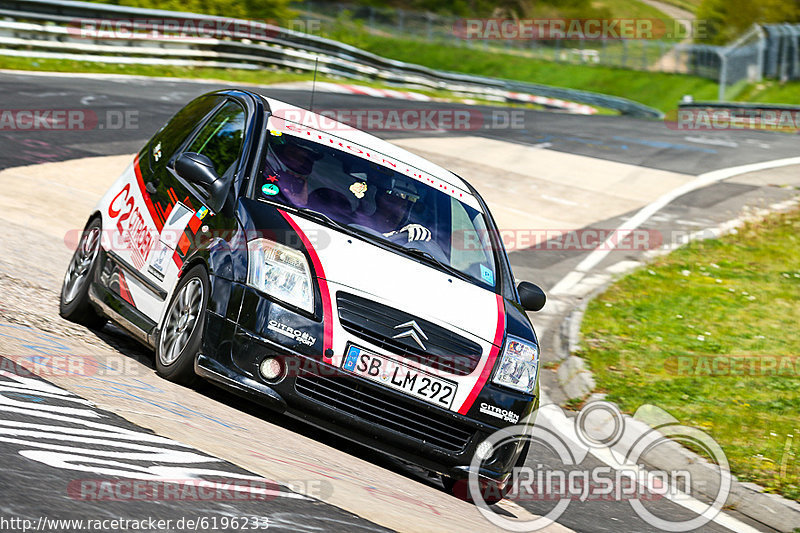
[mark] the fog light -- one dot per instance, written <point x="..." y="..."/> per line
<point x="271" y="369"/>
<point x="484" y="450"/>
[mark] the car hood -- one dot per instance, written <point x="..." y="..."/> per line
<point x="404" y="283"/>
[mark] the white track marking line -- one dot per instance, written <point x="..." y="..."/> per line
<point x="568" y="282"/>
<point x="559" y="200"/>
<point x="713" y="142"/>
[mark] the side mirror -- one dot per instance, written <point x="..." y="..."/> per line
<point x="531" y="296"/>
<point x="199" y="170"/>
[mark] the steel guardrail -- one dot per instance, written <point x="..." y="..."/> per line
<point x="49" y="37"/>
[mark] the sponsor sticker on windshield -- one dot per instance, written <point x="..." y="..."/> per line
<point x="487" y="275"/>
<point x="358" y="189"/>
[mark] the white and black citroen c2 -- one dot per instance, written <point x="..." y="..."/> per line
<point x="321" y="272"/>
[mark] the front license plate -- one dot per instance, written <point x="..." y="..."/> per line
<point x="399" y="377"/>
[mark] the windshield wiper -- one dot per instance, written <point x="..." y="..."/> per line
<point x="312" y="214"/>
<point x="429" y="258"/>
<point x="320" y="217"/>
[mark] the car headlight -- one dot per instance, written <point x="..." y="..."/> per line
<point x="519" y="365"/>
<point x="281" y="272"/>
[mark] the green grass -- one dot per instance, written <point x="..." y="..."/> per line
<point x="651" y="339"/>
<point x="773" y="92"/>
<point x="629" y="9"/>
<point x="229" y="75"/>
<point x="689" y="5"/>
<point x="659" y="90"/>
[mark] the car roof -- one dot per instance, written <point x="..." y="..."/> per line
<point x="348" y="133"/>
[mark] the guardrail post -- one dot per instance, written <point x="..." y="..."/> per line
<point x="644" y="54"/>
<point x="429" y="28"/>
<point x="761" y="50"/>
<point x="624" y="52"/>
<point x="723" y="75"/>
<point x="603" y="57"/>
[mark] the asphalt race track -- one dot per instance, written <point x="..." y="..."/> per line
<point x="61" y="433"/>
<point x="52" y="425"/>
<point x="639" y="142"/>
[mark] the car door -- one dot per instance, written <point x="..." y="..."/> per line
<point x="186" y="207"/>
<point x="149" y="208"/>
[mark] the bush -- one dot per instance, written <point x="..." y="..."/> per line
<point x="273" y="10"/>
<point x="727" y="19"/>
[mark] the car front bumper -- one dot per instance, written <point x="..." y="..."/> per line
<point x="353" y="407"/>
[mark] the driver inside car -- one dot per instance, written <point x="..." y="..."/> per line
<point x="296" y="164"/>
<point x="393" y="207"/>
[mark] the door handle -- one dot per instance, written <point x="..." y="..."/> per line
<point x="150" y="187"/>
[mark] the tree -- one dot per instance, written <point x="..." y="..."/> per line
<point x="727" y="19"/>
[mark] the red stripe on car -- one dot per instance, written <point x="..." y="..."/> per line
<point x="194" y="223"/>
<point x="178" y="261"/>
<point x="124" y="291"/>
<point x="327" y="309"/>
<point x="147" y="200"/>
<point x="493" y="353"/>
<point x="183" y="244"/>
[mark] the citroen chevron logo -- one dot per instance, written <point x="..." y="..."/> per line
<point x="415" y="332"/>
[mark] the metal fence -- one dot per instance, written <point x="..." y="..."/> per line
<point x="768" y="51"/>
<point x="640" y="54"/>
<point x="782" y="60"/>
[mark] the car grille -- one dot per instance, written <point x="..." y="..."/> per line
<point x="386" y="410"/>
<point x="377" y="323"/>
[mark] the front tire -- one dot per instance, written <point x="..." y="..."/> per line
<point x="74" y="302"/>
<point x="182" y="330"/>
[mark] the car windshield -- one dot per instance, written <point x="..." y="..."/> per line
<point x="379" y="203"/>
